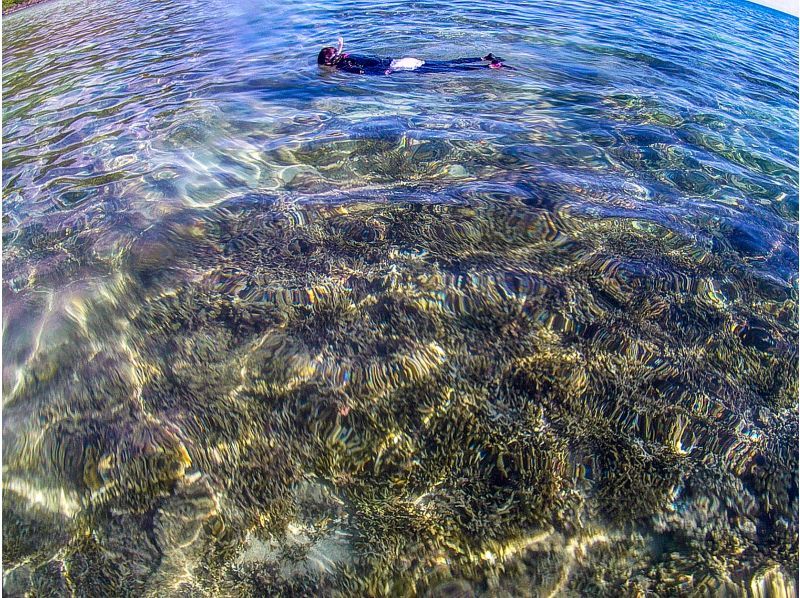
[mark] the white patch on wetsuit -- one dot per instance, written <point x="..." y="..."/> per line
<point x="406" y="64"/>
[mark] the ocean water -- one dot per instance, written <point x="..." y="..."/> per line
<point x="269" y="330"/>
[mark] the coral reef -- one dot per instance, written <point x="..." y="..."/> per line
<point x="486" y="393"/>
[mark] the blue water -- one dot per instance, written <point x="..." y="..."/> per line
<point x="270" y="329"/>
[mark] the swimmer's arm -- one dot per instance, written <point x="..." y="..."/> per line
<point x="348" y="68"/>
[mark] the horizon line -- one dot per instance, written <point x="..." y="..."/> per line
<point x="789" y="7"/>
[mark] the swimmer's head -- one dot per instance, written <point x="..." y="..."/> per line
<point x="327" y="56"/>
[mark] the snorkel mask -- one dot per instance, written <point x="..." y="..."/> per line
<point x="329" y="56"/>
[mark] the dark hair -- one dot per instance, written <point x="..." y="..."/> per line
<point x="326" y="56"/>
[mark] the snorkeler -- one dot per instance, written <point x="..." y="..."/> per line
<point x="367" y="65"/>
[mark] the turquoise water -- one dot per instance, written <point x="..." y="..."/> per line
<point x="269" y="330"/>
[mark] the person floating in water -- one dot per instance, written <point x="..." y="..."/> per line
<point x="368" y="65"/>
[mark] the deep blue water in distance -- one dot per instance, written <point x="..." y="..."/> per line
<point x="270" y="329"/>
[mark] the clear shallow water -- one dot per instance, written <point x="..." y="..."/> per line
<point x="273" y="330"/>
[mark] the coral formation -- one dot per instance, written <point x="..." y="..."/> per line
<point x="385" y="396"/>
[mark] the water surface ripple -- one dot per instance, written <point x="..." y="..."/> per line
<point x="274" y="331"/>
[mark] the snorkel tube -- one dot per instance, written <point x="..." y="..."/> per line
<point x="338" y="56"/>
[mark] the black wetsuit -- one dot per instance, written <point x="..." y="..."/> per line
<point x="368" y="65"/>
